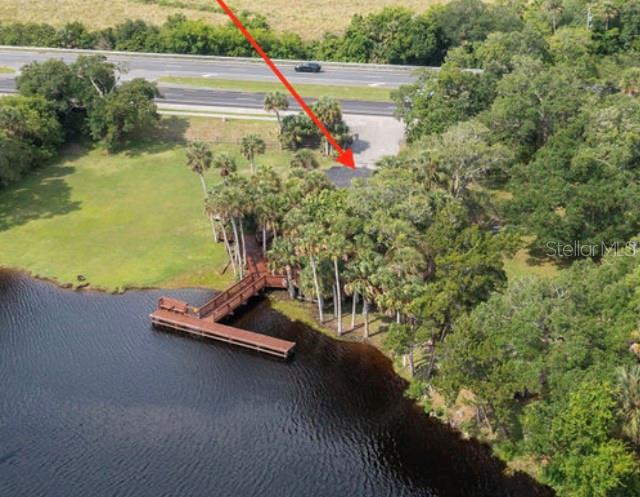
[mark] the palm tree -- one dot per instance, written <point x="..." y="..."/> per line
<point x="306" y="235"/>
<point x="315" y="182"/>
<point x="360" y="276"/>
<point x="329" y="112"/>
<point x="225" y="164"/>
<point x="555" y="8"/>
<point x="218" y="206"/>
<point x="199" y="159"/>
<point x="251" y="146"/>
<point x="282" y="257"/>
<point x="276" y="102"/>
<point x="309" y="246"/>
<point x="241" y="203"/>
<point x="630" y="82"/>
<point x="268" y="197"/>
<point x="336" y="247"/>
<point x="427" y="171"/>
<point x="608" y="11"/>
<point x="629" y="396"/>
<point x="304" y="160"/>
<point x="298" y="131"/>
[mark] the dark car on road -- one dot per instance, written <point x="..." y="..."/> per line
<point x="308" y="67"/>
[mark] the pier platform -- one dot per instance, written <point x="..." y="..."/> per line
<point x="204" y="321"/>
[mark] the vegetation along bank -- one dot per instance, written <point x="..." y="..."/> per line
<point x="539" y="152"/>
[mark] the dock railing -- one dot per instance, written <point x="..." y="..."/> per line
<point x="229" y="293"/>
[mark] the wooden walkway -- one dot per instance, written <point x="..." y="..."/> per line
<point x="204" y="321"/>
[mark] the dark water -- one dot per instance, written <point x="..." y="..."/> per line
<point x="95" y="403"/>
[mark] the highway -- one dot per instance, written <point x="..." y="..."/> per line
<point x="204" y="97"/>
<point x="235" y="99"/>
<point x="152" y="67"/>
<point x="379" y="134"/>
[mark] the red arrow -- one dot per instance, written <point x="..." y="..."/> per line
<point x="345" y="157"/>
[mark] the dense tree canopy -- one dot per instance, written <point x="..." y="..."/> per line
<point x="528" y="133"/>
<point x="128" y="108"/>
<point x="30" y="134"/>
<point x="439" y="99"/>
<point x="61" y="102"/>
<point x="544" y="339"/>
<point x="550" y="124"/>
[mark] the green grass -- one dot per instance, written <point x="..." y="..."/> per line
<point x="522" y="264"/>
<point x="306" y="313"/>
<point x="306" y="90"/>
<point x="216" y="114"/>
<point x="128" y="220"/>
<point x="6" y="70"/>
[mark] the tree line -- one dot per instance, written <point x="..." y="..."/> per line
<point x="555" y="375"/>
<point x="415" y="242"/>
<point x="540" y="144"/>
<point x="59" y="103"/>
<point x="394" y="35"/>
<point x="566" y="108"/>
<point x="545" y="122"/>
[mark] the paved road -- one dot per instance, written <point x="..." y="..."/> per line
<point x="152" y="68"/>
<point x="378" y="133"/>
<point x="235" y="99"/>
<point x="223" y="98"/>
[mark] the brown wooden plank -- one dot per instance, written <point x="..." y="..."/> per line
<point x="178" y="315"/>
<point x="243" y="338"/>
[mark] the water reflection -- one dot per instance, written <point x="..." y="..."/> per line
<point x="96" y="403"/>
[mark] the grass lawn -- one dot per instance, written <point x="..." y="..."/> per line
<point x="306" y="90"/>
<point x="308" y="18"/>
<point x="6" y="70"/>
<point x="522" y="264"/>
<point x="132" y="219"/>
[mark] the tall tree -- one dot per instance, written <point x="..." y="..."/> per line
<point x="329" y="112"/>
<point x="97" y="77"/>
<point x="268" y="202"/>
<point x="199" y="160"/>
<point x="54" y="81"/>
<point x="276" y="102"/>
<point x="360" y="279"/>
<point x="225" y="164"/>
<point x="252" y="145"/>
<point x="126" y="110"/>
<point x="282" y="258"/>
<point x="218" y="206"/>
<point x="629" y="402"/>
<point x="460" y="158"/>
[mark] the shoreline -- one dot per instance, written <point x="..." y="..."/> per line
<point x="303" y="312"/>
<point x="88" y="287"/>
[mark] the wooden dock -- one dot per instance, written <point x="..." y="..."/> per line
<point x="204" y="321"/>
<point x="216" y="331"/>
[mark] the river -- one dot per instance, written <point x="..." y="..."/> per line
<point x="95" y="403"/>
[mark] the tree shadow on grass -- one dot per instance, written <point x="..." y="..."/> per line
<point x="41" y="195"/>
<point x="167" y="134"/>
<point x="537" y="257"/>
